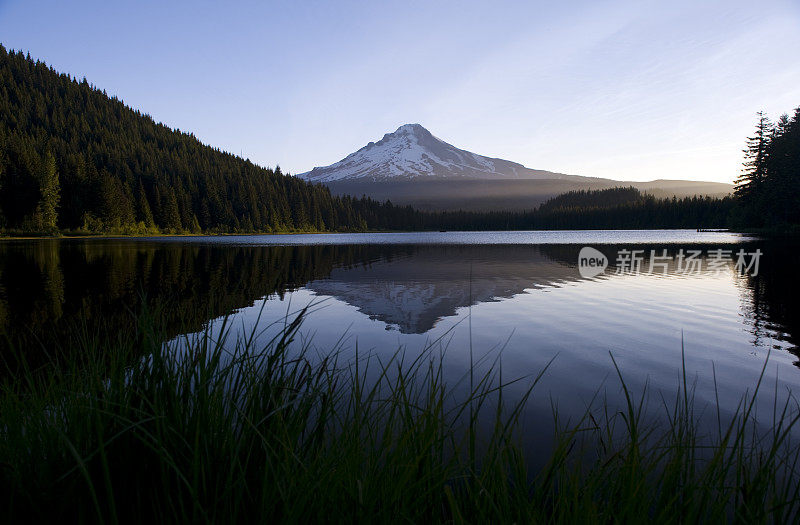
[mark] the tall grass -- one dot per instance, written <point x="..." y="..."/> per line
<point x="215" y="428"/>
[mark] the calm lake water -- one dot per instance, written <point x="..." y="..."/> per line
<point x="518" y="296"/>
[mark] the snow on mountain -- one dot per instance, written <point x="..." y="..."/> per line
<point x="413" y="152"/>
<point x="412" y="292"/>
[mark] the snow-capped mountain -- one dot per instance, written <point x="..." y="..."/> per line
<point x="412" y="152"/>
<point x="412" y="167"/>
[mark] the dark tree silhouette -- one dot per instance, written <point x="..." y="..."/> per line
<point x="768" y="190"/>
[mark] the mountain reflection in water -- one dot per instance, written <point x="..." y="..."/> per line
<point x="48" y="286"/>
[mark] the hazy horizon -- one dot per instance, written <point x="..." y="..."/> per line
<point x="622" y="90"/>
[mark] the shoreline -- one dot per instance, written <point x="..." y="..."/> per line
<point x="63" y="236"/>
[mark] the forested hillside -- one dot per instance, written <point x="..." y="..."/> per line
<point x="590" y="199"/>
<point x="73" y="158"/>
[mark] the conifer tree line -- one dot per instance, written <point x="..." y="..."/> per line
<point x="612" y="208"/>
<point x="768" y="189"/>
<point x="586" y="199"/>
<point x="73" y="158"/>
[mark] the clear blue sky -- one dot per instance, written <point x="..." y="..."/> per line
<point x="632" y="90"/>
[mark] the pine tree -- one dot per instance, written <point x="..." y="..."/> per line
<point x="749" y="184"/>
<point x="144" y="214"/>
<point x="172" y="217"/>
<point x="116" y="204"/>
<point x="158" y="213"/>
<point x="49" y="188"/>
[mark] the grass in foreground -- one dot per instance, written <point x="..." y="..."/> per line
<point x="192" y="432"/>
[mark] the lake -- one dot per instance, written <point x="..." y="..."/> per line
<point x="515" y="297"/>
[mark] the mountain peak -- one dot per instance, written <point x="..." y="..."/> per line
<point x="412" y="152"/>
<point x="411" y="128"/>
